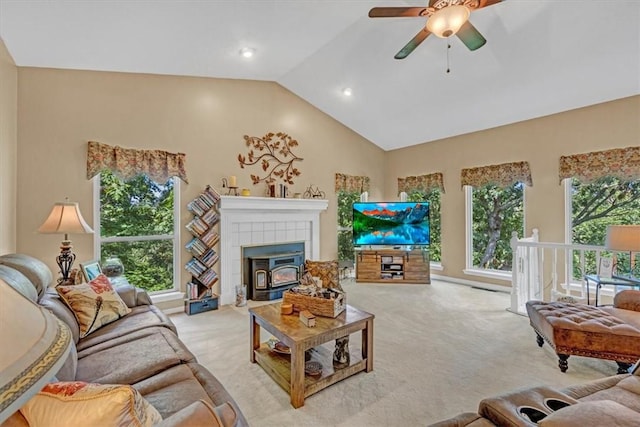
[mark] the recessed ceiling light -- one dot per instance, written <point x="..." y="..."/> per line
<point x="347" y="91"/>
<point x="247" y="52"/>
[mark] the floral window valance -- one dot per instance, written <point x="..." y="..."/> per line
<point x="432" y="181"/>
<point x="126" y="163"/>
<point x="351" y="183"/>
<point x="622" y="163"/>
<point x="503" y="175"/>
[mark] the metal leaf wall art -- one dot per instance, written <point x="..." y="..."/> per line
<point x="273" y="152"/>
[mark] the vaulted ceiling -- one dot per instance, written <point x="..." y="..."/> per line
<point x="541" y="57"/>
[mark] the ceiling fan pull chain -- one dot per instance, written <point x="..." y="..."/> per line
<point x="448" y="48"/>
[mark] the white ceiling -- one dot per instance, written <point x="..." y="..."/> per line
<point x="541" y="56"/>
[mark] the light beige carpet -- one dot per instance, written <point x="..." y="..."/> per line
<point x="438" y="350"/>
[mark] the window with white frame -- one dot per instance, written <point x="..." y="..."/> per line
<point x="137" y="223"/>
<point x="594" y="206"/>
<point x="495" y="203"/>
<point x="346" y="199"/>
<point x="427" y="188"/>
<point x="433" y="197"/>
<point x="602" y="188"/>
<point x="494" y="214"/>
<point x="348" y="190"/>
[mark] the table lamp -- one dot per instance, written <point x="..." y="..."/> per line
<point x="65" y="217"/>
<point x="624" y="238"/>
<point x="35" y="345"/>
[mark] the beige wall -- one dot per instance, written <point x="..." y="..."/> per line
<point x="8" y="149"/>
<point x="60" y="110"/>
<point x="541" y="142"/>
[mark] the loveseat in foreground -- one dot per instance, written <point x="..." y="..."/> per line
<point x="611" y="401"/>
<point x="140" y="349"/>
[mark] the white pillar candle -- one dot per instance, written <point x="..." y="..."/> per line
<point x="232" y="181"/>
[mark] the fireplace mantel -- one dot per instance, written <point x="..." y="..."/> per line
<point x="239" y="203"/>
<point x="246" y="221"/>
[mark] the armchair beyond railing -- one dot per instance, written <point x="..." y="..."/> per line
<point x="547" y="271"/>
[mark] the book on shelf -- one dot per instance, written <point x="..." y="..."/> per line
<point x="209" y="258"/>
<point x="197" y="226"/>
<point x="210" y="217"/>
<point x="212" y="193"/>
<point x="195" y="291"/>
<point x="195" y="267"/>
<point x="208" y="278"/>
<point x="210" y="238"/>
<point x="196" y="246"/>
<point x="195" y="208"/>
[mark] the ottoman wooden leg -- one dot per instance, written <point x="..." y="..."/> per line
<point x="623" y="368"/>
<point x="562" y="362"/>
<point x="539" y="340"/>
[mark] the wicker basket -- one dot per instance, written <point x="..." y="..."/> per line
<point x="318" y="306"/>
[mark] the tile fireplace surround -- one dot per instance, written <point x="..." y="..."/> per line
<point x="246" y="221"/>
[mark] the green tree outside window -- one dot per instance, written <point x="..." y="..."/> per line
<point x="497" y="213"/>
<point x="594" y="206"/>
<point x="346" y="199"/>
<point x="433" y="197"/>
<point x="136" y="225"/>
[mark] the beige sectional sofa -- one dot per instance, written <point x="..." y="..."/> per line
<point x="141" y="349"/>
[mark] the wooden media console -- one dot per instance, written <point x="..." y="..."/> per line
<point x="393" y="265"/>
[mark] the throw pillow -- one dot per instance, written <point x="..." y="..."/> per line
<point x="592" y="414"/>
<point x="326" y="271"/>
<point x="94" y="304"/>
<point x="82" y="404"/>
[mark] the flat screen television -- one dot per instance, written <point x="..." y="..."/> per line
<point x="391" y="223"/>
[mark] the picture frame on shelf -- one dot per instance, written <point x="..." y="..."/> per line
<point x="91" y="269"/>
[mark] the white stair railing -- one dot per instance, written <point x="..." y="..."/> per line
<point x="544" y="270"/>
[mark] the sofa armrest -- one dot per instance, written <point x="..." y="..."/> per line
<point x="465" y="419"/>
<point x="201" y="413"/>
<point x="133" y="296"/>
<point x="627" y="300"/>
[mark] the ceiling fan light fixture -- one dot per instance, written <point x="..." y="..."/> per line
<point x="447" y="21"/>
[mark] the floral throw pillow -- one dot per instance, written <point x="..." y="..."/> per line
<point x="94" y="304"/>
<point x="77" y="403"/>
<point x="326" y="271"/>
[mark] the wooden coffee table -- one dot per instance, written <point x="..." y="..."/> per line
<point x="288" y="370"/>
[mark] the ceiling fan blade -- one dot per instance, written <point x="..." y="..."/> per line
<point x="485" y="3"/>
<point x="470" y="36"/>
<point x="413" y="43"/>
<point x="397" y="12"/>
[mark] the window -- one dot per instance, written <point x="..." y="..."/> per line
<point x="137" y="223"/>
<point x="345" y="223"/>
<point x="433" y="197"/>
<point x="493" y="214"/>
<point x="594" y="206"/>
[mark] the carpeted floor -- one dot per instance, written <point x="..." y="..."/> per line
<point x="438" y="350"/>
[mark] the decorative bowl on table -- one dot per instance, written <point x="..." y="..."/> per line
<point x="313" y="368"/>
<point x="277" y="346"/>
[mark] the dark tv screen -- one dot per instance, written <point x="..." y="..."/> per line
<point x="391" y="223"/>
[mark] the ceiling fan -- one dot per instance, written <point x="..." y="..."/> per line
<point x="445" y="18"/>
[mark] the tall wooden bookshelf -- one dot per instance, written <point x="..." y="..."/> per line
<point x="203" y="228"/>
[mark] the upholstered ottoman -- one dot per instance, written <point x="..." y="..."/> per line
<point x="583" y="330"/>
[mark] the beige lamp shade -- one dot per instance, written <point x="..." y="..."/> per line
<point x="35" y="344"/>
<point x="448" y="20"/>
<point x="65" y="217"/>
<point x="623" y="238"/>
